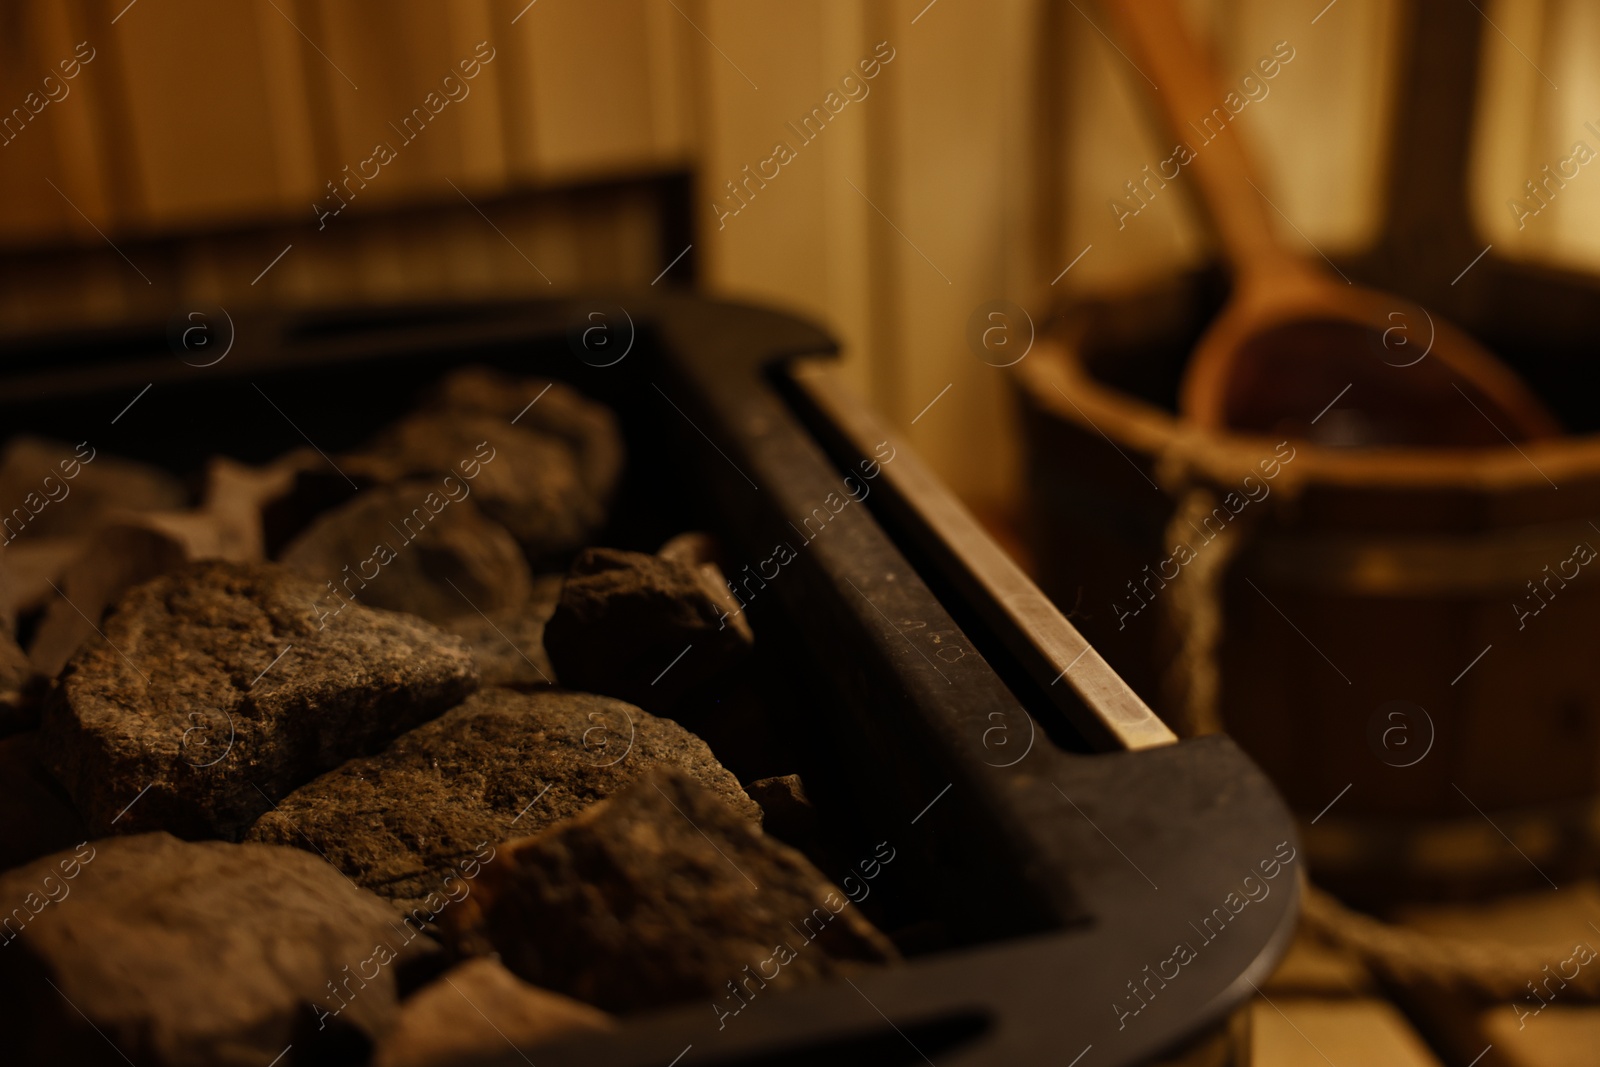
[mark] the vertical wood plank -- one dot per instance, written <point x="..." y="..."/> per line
<point x="196" y="98"/>
<point x="84" y="166"/>
<point x="290" y="104"/>
<point x="36" y="145"/>
<point x="378" y="64"/>
<point x="959" y="146"/>
<point x="584" y="81"/>
<point x="800" y="236"/>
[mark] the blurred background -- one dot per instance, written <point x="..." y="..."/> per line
<point x="162" y="154"/>
<point x="981" y="162"/>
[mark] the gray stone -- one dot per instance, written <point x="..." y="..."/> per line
<point x="131" y="547"/>
<point x="221" y="685"/>
<point x="546" y="407"/>
<point x="238" y="497"/>
<point x="27" y="568"/>
<point x="18" y="693"/>
<point x="51" y="488"/>
<point x="530" y="482"/>
<point x="642" y="628"/>
<point x="500" y="765"/>
<point x="788" y="815"/>
<point x="203" y="954"/>
<point x="119" y="556"/>
<point x="508" y="645"/>
<point x="660" y="894"/>
<point x="36" y="816"/>
<point x="784" y="805"/>
<point x="409" y="547"/>
<point x="473" y="1011"/>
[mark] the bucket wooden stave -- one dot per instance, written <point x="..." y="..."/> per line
<point x="1327" y="602"/>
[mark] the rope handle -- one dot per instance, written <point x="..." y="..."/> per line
<point x="1417" y="959"/>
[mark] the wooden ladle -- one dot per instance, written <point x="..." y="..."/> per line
<point x="1293" y="338"/>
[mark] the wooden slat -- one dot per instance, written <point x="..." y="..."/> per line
<point x="385" y="59"/>
<point x="204" y="132"/>
<point x="799" y="239"/>
<point x="593" y="87"/>
<point x="1322" y="1006"/>
<point x="35" y="37"/>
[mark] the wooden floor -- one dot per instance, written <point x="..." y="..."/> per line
<point x="1324" y="1007"/>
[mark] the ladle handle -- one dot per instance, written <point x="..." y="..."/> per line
<point x="1187" y="91"/>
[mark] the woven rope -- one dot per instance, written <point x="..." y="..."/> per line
<point x="1193" y="679"/>
<point x="1418" y="959"/>
<point x="1403" y="955"/>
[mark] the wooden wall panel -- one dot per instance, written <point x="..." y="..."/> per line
<point x="1320" y="131"/>
<point x="1109" y="137"/>
<point x="55" y="144"/>
<point x="1317" y="135"/>
<point x="196" y="113"/>
<point x="291" y="105"/>
<point x="1537" y="101"/>
<point x="799" y="239"/>
<point x="963" y="158"/>
<point x="79" y="127"/>
<point x="384" y="60"/>
<point x="593" y="87"/>
<point x="943" y="127"/>
<point x="203" y="126"/>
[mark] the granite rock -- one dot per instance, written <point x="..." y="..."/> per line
<point x="238" y="497"/>
<point x="130" y="547"/>
<point x="117" y="557"/>
<point x="203" y="954"/>
<point x="503" y="763"/>
<point x="642" y="628"/>
<point x="473" y="1010"/>
<point x="788" y="815"/>
<point x="508" y="644"/>
<point x="659" y="894"/>
<point x="546" y="407"/>
<point x="51" y="488"/>
<point x="18" y="693"/>
<point x="532" y="483"/>
<point x="28" y="566"/>
<point x="36" y="816"/>
<point x="219" y="686"/>
<point x="407" y="547"/>
<point x="786" y="811"/>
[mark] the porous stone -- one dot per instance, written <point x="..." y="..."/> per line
<point x="503" y="763"/>
<point x="508" y="644"/>
<point x="131" y="547"/>
<point x="692" y="546"/>
<point x="409" y="547"/>
<point x="238" y="497"/>
<point x="36" y="816"/>
<point x="50" y="488"/>
<point x="546" y="407"/>
<point x="642" y="628"/>
<point x="786" y="811"/>
<point x="473" y="1010"/>
<point x="203" y="954"/>
<point x="18" y="692"/>
<point x="530" y="482"/>
<point x="216" y="688"/>
<point x="117" y="557"/>
<point x="27" y="568"/>
<point x="703" y="552"/>
<point x="788" y="815"/>
<point x="659" y="894"/>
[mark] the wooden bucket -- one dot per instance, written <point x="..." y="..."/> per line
<point x="1401" y="638"/>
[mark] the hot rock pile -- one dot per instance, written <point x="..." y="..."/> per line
<point x="304" y="807"/>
